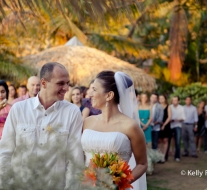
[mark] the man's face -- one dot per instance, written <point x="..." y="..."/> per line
<point x="58" y="85"/>
<point x="188" y="101"/>
<point x="175" y="101"/>
<point x="22" y="91"/>
<point x="33" y="86"/>
<point x="153" y="98"/>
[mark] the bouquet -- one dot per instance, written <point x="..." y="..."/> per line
<point x="109" y="171"/>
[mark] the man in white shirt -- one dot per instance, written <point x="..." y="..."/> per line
<point x="178" y="116"/>
<point x="191" y="119"/>
<point x="41" y="137"/>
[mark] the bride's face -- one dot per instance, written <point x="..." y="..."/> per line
<point x="98" y="95"/>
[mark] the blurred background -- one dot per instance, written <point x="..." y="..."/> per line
<point x="165" y="39"/>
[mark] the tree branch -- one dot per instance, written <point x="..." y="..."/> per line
<point x="131" y="32"/>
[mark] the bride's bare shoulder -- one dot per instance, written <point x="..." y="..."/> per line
<point x="89" y="121"/>
<point x="128" y="121"/>
<point x="129" y="125"/>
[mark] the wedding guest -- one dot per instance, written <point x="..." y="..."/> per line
<point x="191" y="119"/>
<point x="86" y="93"/>
<point x="165" y="131"/>
<point x="4" y="105"/>
<point x="157" y="118"/>
<point x="171" y="142"/>
<point x="12" y="93"/>
<point x="76" y="98"/>
<point x="205" y="140"/>
<point x="22" y="90"/>
<point x="41" y="137"/>
<point x="137" y="96"/>
<point x="145" y="116"/>
<point x="82" y="89"/>
<point x="67" y="94"/>
<point x="199" y="134"/>
<point x="86" y="102"/>
<point x="178" y="116"/>
<point x="33" y="86"/>
<point x="205" y="135"/>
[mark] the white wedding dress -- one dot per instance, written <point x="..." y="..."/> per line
<point x="110" y="142"/>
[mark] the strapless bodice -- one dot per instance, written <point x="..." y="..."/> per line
<point x="101" y="142"/>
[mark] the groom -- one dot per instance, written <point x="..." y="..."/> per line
<point x="40" y="146"/>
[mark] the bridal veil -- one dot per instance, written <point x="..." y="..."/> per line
<point x="128" y="106"/>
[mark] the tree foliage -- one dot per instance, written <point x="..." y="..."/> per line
<point x="171" y="31"/>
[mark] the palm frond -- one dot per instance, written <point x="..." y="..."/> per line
<point x="82" y="9"/>
<point x="11" y="67"/>
<point x="119" y="45"/>
<point x="15" y="72"/>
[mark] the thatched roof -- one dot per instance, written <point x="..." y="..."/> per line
<point x="84" y="63"/>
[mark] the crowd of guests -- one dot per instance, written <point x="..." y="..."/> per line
<point x="167" y="125"/>
<point x="164" y="124"/>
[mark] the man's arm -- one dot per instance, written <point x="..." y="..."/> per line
<point x="195" y="119"/>
<point x="183" y="115"/>
<point x="75" y="156"/>
<point x="161" y="115"/>
<point x="7" y="146"/>
<point x="195" y="115"/>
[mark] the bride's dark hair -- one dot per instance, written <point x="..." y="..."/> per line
<point x="108" y="83"/>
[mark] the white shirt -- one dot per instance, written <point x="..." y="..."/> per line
<point x="177" y="114"/>
<point x="191" y="114"/>
<point x="44" y="139"/>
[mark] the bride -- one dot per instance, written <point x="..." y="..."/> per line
<point x="116" y="129"/>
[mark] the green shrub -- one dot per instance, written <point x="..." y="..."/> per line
<point x="197" y="92"/>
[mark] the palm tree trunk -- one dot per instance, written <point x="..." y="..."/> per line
<point x="178" y="41"/>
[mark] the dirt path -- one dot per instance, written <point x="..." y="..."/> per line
<point x="168" y="176"/>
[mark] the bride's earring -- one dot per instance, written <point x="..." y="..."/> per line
<point x="106" y="104"/>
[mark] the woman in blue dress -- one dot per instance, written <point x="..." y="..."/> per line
<point x="145" y="115"/>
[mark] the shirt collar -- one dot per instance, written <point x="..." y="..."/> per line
<point x="37" y="104"/>
<point x="26" y="96"/>
<point x="188" y="106"/>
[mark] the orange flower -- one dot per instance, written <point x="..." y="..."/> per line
<point x="118" y="169"/>
<point x="92" y="164"/>
<point x="122" y="174"/>
<point x="90" y="176"/>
